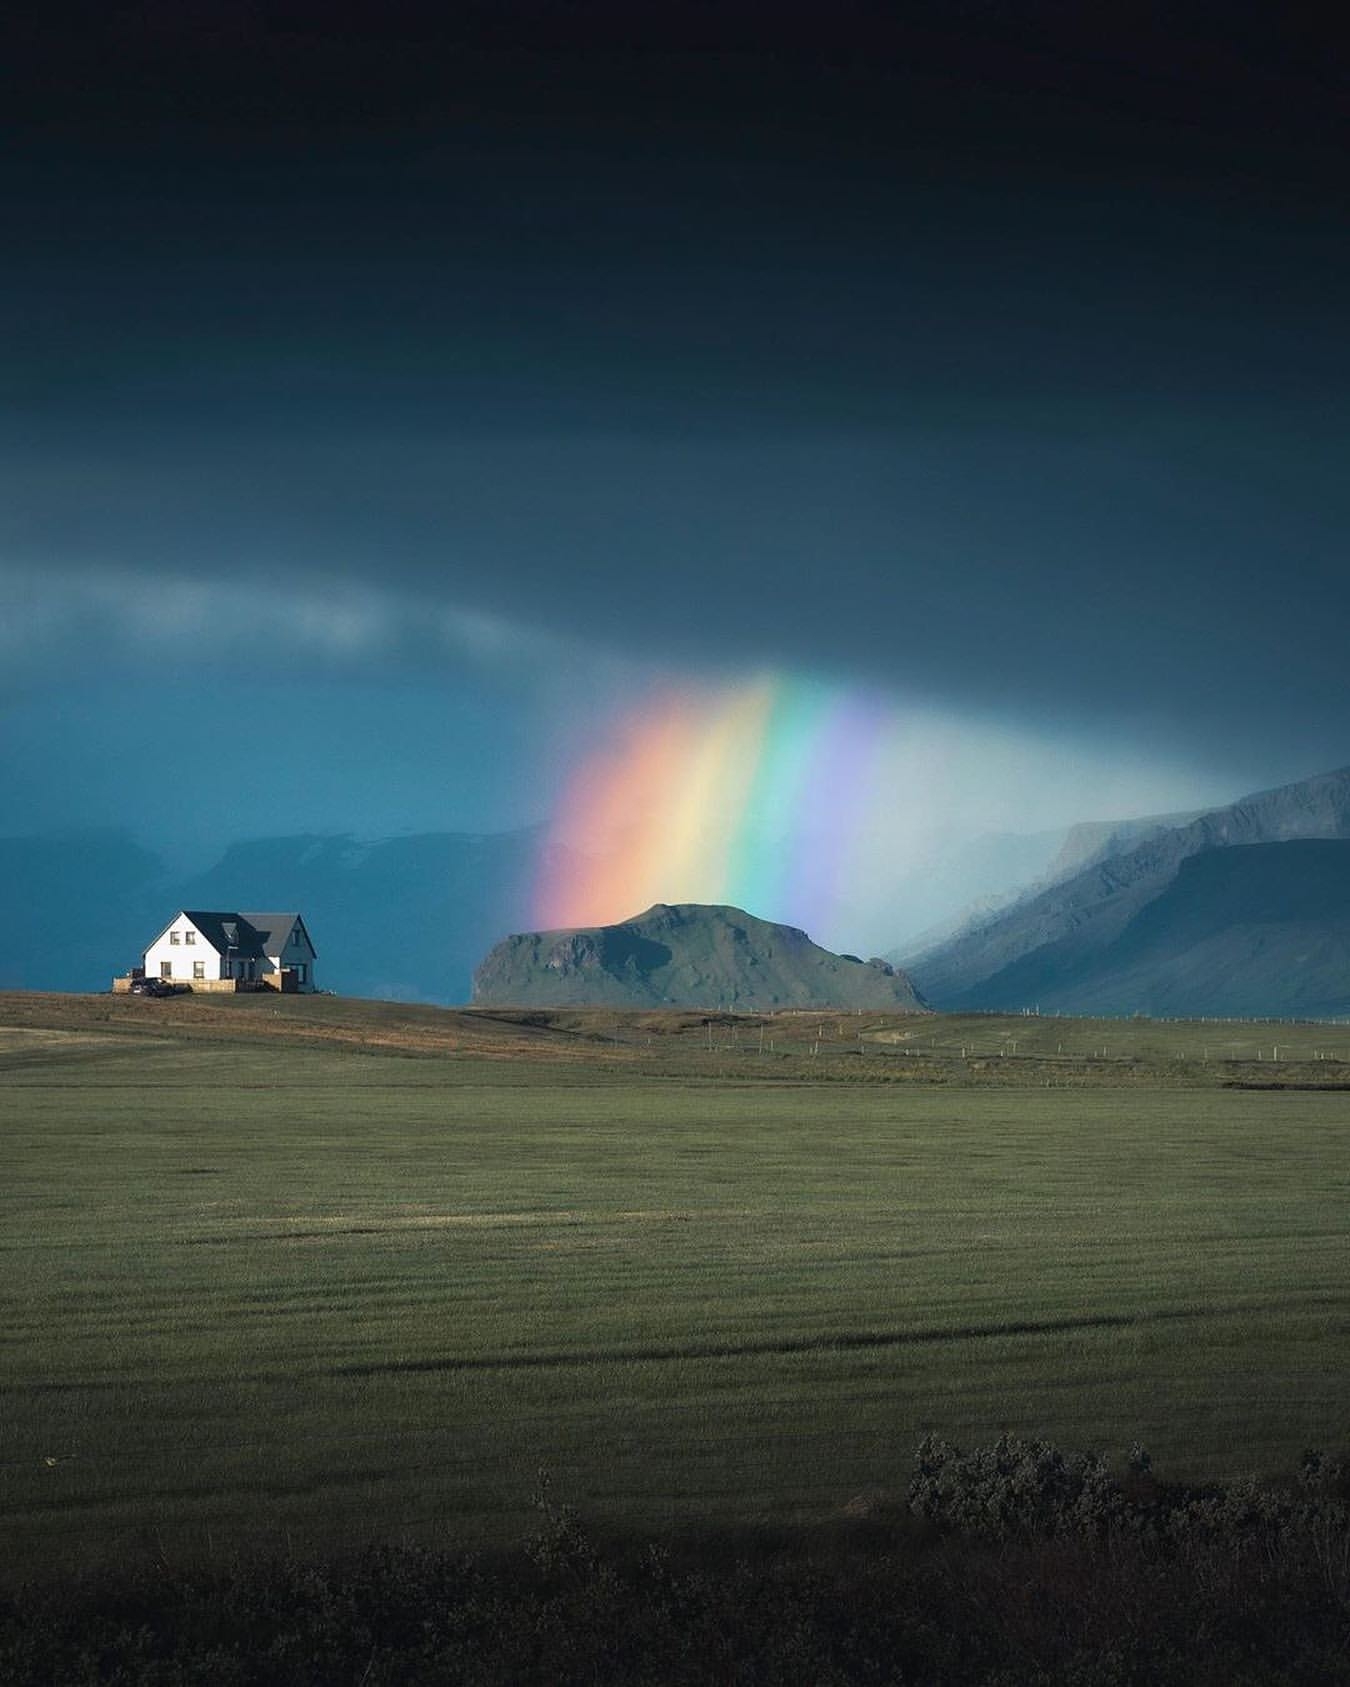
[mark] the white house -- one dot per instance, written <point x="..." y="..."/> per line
<point x="222" y="951"/>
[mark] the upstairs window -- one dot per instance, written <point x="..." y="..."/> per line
<point x="189" y="937"/>
<point x="173" y="937"/>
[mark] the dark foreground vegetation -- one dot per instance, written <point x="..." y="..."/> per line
<point x="1012" y="1564"/>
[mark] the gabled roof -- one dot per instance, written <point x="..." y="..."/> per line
<point x="274" y="929"/>
<point x="226" y="931"/>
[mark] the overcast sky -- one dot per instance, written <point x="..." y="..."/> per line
<point x="385" y="404"/>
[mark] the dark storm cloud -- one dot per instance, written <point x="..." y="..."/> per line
<point x="998" y="360"/>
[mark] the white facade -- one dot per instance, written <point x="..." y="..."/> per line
<point x="182" y="953"/>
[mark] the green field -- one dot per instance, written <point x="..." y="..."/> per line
<point x="259" y="1290"/>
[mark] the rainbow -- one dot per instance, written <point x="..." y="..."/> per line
<point x="773" y="795"/>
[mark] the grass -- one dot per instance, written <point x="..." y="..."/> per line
<point x="260" y="1288"/>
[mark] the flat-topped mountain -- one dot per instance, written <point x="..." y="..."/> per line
<point x="686" y="955"/>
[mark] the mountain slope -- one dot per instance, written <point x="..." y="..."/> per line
<point x="1076" y="918"/>
<point x="1075" y="850"/>
<point x="686" y="956"/>
<point x="1252" y="931"/>
<point x="940" y="890"/>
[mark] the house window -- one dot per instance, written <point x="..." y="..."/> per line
<point x="199" y="969"/>
<point x="173" y="937"/>
<point x="300" y="972"/>
<point x="189" y="937"/>
<point x="166" y="969"/>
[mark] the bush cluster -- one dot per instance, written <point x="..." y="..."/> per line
<point x="1028" y="1488"/>
<point x="1014" y="1565"/>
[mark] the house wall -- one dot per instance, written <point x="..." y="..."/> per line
<point x="182" y="954"/>
<point x="296" y="953"/>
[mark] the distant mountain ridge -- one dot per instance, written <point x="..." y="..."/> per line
<point x="687" y="955"/>
<point x="75" y="907"/>
<point x="404" y="917"/>
<point x="409" y="917"/>
<point x="1070" y="924"/>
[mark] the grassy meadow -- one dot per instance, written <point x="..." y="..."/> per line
<point x="291" y="1275"/>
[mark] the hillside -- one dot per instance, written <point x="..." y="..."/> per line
<point x="687" y="955"/>
<point x="1068" y="925"/>
<point x="1260" y="930"/>
<point x="1014" y="876"/>
<point x="1257" y="930"/>
<point x="941" y="888"/>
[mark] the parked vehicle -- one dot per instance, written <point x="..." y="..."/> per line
<point x="152" y="987"/>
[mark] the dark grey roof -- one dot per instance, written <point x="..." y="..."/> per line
<point x="226" y="931"/>
<point x="276" y="927"/>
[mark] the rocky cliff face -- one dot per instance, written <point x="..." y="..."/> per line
<point x="686" y="956"/>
